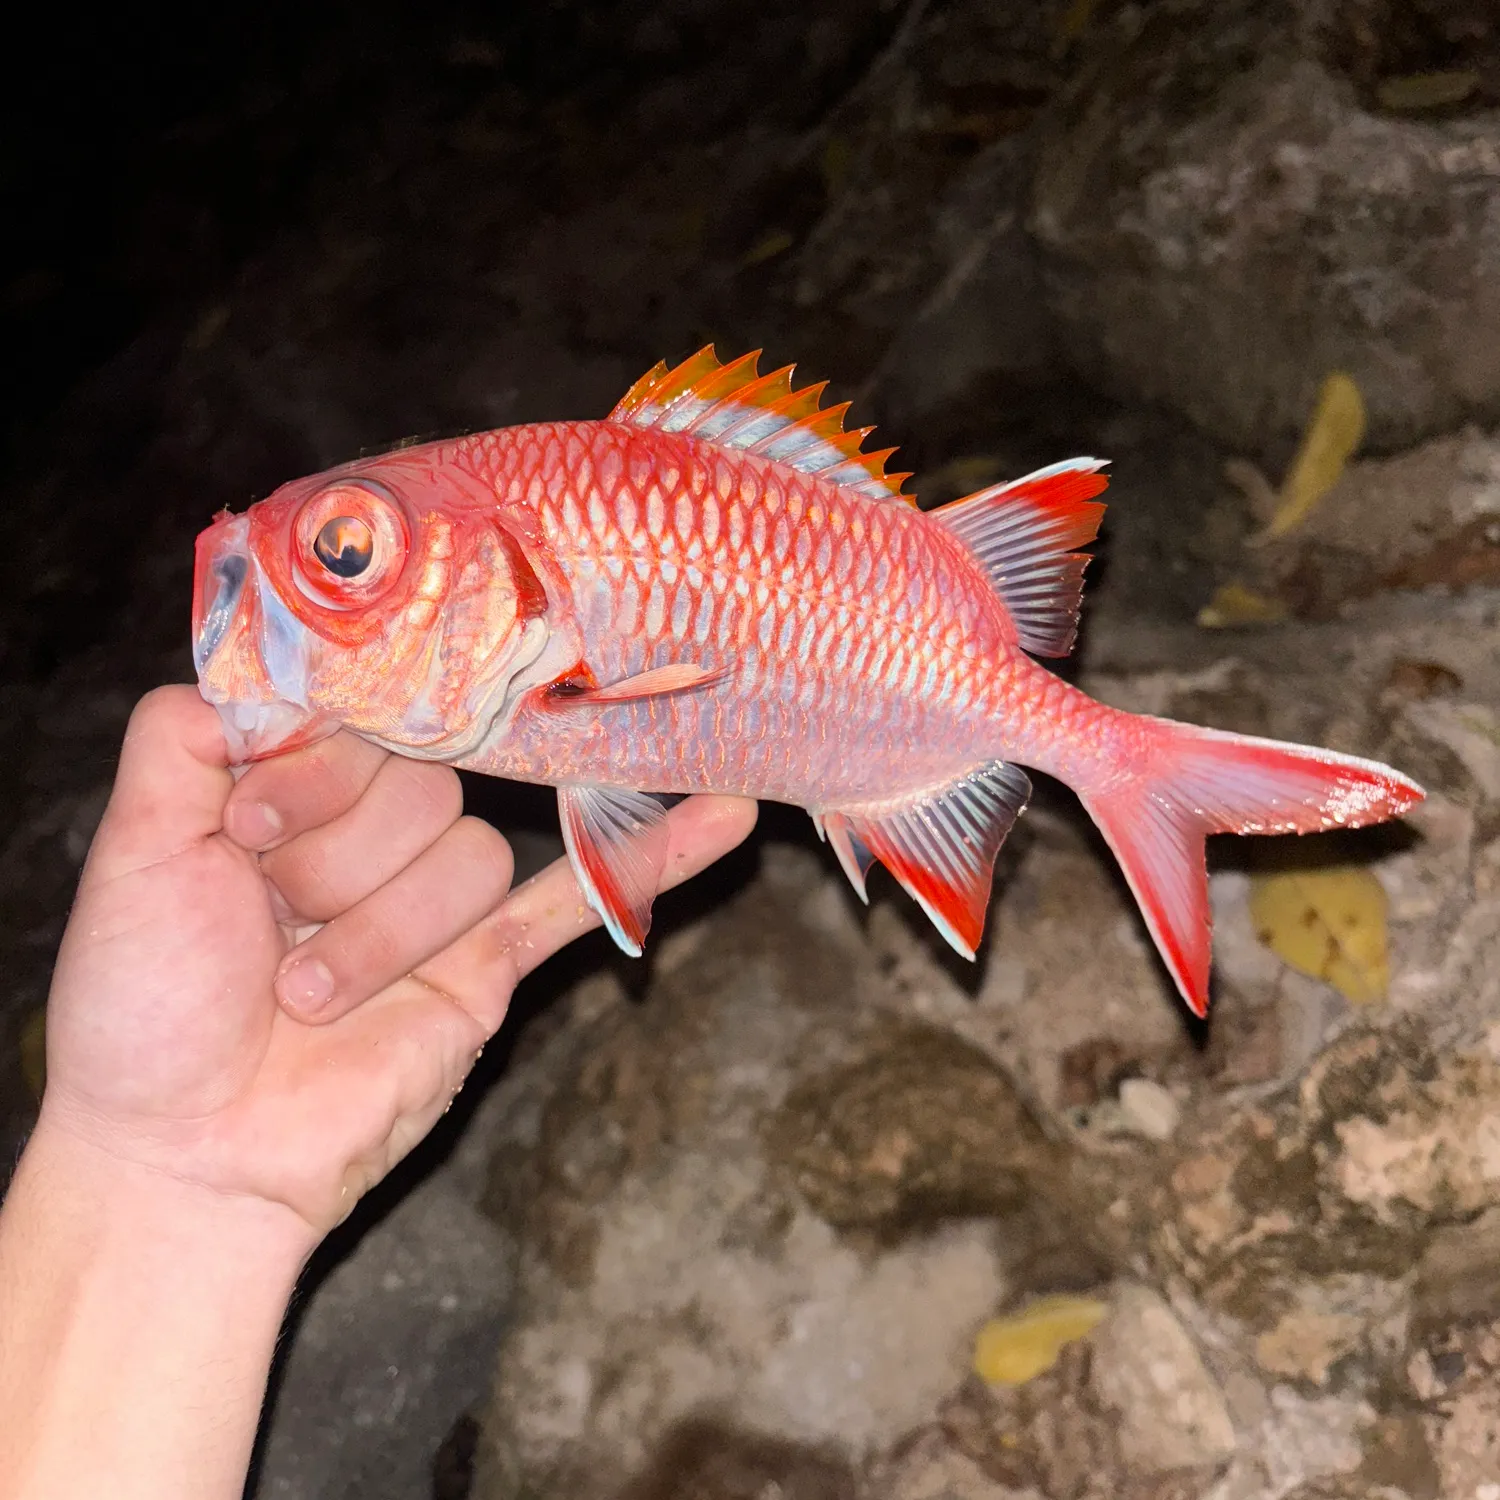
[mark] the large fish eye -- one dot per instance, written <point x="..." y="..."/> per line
<point x="345" y="546"/>
<point x="350" y="543"/>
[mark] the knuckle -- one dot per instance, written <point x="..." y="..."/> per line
<point x="301" y="872"/>
<point x="487" y="850"/>
<point x="436" y="789"/>
<point x="159" y="707"/>
<point x="448" y="796"/>
<point x="322" y="781"/>
<point x="158" y="700"/>
<point x="367" y="952"/>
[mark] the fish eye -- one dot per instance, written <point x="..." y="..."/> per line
<point x="350" y="543"/>
<point x="345" y="546"/>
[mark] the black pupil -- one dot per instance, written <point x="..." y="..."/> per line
<point x="344" y="546"/>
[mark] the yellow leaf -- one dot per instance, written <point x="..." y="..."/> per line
<point x="1013" y="1350"/>
<point x="1419" y="91"/>
<point x="767" y="247"/>
<point x="34" y="1051"/>
<point x="1327" y="923"/>
<point x="1234" y="604"/>
<point x="1336" y="430"/>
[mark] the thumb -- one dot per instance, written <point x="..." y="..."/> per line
<point x="170" y="787"/>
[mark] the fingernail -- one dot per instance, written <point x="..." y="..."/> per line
<point x="254" y="824"/>
<point x="306" y="986"/>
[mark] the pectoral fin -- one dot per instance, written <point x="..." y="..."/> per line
<point x="677" y="677"/>
<point x="617" y="844"/>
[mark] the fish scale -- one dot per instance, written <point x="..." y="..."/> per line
<point x="715" y="589"/>
<point x="902" y="689"/>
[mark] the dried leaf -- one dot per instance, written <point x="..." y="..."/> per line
<point x="1328" y="923"/>
<point x="34" y="1051"/>
<point x="1333" y="435"/>
<point x="1234" y="604"/>
<point x="767" y="247"/>
<point x="1419" y="91"/>
<point x="1011" y="1351"/>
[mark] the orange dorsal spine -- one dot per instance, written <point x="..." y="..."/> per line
<point x="733" y="406"/>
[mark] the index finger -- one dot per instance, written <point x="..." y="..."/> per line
<point x="548" y="912"/>
<point x="284" y="795"/>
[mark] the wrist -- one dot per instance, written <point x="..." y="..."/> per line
<point x="111" y="1198"/>
<point x="122" y="1289"/>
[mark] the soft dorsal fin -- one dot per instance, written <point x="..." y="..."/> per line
<point x="730" y="404"/>
<point x="1024" y="533"/>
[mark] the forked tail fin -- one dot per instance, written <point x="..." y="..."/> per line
<point x="1202" y="781"/>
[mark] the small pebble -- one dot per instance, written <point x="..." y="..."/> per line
<point x="1148" y="1109"/>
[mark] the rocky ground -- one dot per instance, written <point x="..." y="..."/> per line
<point x="727" y="1223"/>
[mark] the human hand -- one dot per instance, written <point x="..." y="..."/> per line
<point x="186" y="1031"/>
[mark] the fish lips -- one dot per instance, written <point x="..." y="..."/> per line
<point x="253" y="656"/>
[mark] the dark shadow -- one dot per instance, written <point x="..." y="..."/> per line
<point x="704" y="1457"/>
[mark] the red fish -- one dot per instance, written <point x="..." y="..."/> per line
<point x="716" y="590"/>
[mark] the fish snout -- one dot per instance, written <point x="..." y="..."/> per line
<point x="251" y="654"/>
<point x="221" y="566"/>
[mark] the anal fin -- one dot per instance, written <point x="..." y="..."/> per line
<point x="617" y="844"/>
<point x="940" y="843"/>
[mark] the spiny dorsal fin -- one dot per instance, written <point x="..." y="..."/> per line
<point x="1024" y="533"/>
<point x="730" y="404"/>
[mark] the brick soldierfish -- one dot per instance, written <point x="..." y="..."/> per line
<point x="715" y="590"/>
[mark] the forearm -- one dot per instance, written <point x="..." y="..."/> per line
<point x="138" y="1317"/>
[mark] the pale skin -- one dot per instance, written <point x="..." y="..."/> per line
<point x="206" y="1120"/>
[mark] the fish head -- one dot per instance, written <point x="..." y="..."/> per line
<point x="385" y="597"/>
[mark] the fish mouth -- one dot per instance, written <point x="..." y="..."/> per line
<point x="252" y="656"/>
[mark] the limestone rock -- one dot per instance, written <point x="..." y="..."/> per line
<point x="1148" y="1109"/>
<point x="1430" y="1146"/>
<point x="675" y="1172"/>
<point x="1469" y="1453"/>
<point x="1225" y="219"/>
<point x="985" y="323"/>
<point x="1304" y="1345"/>
<point x="1172" y="1413"/>
<point x="879" y="1143"/>
<point x="1429" y="516"/>
<point x="932" y="1470"/>
<point x="1458" y="1278"/>
<point x="391" y="1343"/>
<point x="1310" y="1439"/>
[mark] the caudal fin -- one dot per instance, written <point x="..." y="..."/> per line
<point x="1202" y="781"/>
